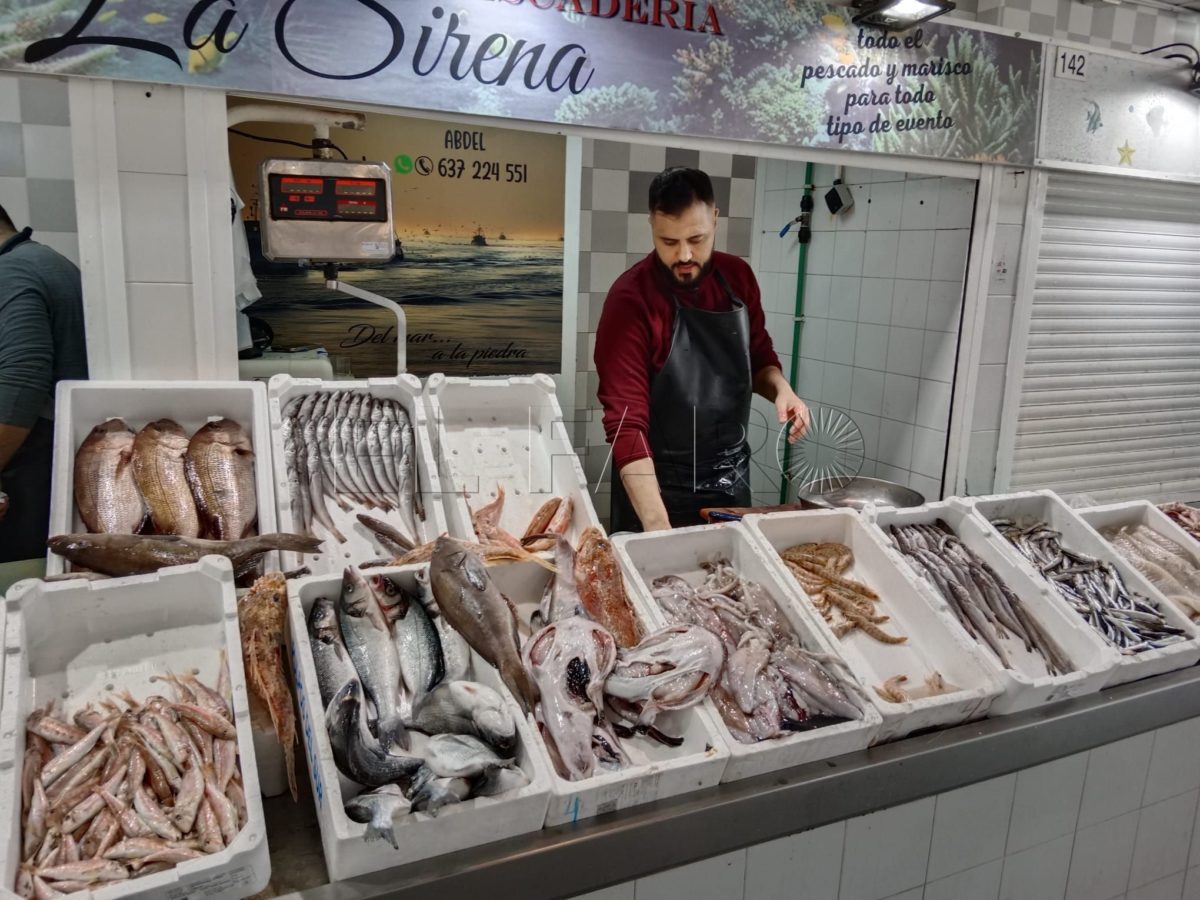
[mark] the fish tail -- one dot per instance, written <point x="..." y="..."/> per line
<point x="394" y="731"/>
<point x="295" y="543"/>
<point x="519" y="682"/>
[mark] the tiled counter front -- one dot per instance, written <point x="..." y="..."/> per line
<point x="1118" y="821"/>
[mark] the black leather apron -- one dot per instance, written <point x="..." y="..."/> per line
<point x="699" y="413"/>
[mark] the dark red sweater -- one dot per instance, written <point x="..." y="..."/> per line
<point x="634" y="339"/>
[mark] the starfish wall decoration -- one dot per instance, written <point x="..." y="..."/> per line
<point x="1126" y="154"/>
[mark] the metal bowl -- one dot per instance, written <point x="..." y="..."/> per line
<point x="855" y="493"/>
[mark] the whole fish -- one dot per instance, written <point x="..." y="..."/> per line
<point x="127" y="554"/>
<point x="569" y="661"/>
<point x="474" y="606"/>
<point x="429" y="793"/>
<point x="671" y="669"/>
<point x="560" y="600"/>
<point x="456" y="653"/>
<point x="498" y="781"/>
<point x="158" y="468"/>
<point x="220" y="470"/>
<point x="377" y="810"/>
<point x="408" y="486"/>
<point x="415" y="637"/>
<point x="358" y="755"/>
<point x="492" y="552"/>
<point x="462" y="756"/>
<point x="467" y="707"/>
<point x="89" y="870"/>
<point x="369" y="642"/>
<point x="602" y="588"/>
<point x="106" y="491"/>
<point x="261" y="614"/>
<point x="486" y="522"/>
<point x="551" y="520"/>
<point x="332" y="660"/>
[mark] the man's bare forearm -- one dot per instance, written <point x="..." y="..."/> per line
<point x="11" y="439"/>
<point x="641" y="484"/>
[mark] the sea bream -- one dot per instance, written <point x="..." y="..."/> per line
<point x="466" y="707"/>
<point x="377" y="810"/>
<point x="369" y="642"/>
<point x="106" y="491"/>
<point x="332" y="660"/>
<point x="413" y="634"/>
<point x="220" y="470"/>
<point x="158" y="468"/>
<point x="474" y="607"/>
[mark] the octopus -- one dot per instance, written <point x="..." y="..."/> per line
<point x="847" y="605"/>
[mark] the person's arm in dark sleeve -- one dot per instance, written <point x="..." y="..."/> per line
<point x="622" y="359"/>
<point x="769" y="380"/>
<point x="26" y="367"/>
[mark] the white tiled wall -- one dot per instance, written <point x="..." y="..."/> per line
<point x="37" y="178"/>
<point x="882" y="305"/>
<point x="1120" y="26"/>
<point x="1116" y="822"/>
<point x="1012" y="187"/>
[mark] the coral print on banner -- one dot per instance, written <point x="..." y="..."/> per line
<point x="784" y="71"/>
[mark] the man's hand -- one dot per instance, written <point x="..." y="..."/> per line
<point x="790" y="407"/>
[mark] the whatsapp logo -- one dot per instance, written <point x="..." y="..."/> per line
<point x="403" y="164"/>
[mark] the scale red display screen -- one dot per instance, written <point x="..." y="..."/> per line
<point x="328" y="198"/>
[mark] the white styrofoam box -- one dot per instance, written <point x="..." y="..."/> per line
<point x="656" y="771"/>
<point x="932" y="645"/>
<point x="1027" y="684"/>
<point x="1046" y="506"/>
<point x="1142" y="512"/>
<point x="82" y="405"/>
<point x="682" y="552"/>
<point x="508" y="431"/>
<point x="360" y="545"/>
<point x="76" y="642"/>
<point x="458" y="826"/>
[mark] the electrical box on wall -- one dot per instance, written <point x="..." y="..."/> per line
<point x="325" y="210"/>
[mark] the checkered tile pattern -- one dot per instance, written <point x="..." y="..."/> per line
<point x="37" y="185"/>
<point x="614" y="235"/>
<point x="1118" y="27"/>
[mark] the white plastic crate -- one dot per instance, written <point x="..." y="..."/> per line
<point x="1046" y="506"/>
<point x="656" y="771"/>
<point x="82" y="405"/>
<point x="1142" y="512"/>
<point x="932" y="645"/>
<point x="361" y="544"/>
<point x="78" y="641"/>
<point x="681" y="551"/>
<point x="458" y="826"/>
<point x="509" y="432"/>
<point x="1027" y="684"/>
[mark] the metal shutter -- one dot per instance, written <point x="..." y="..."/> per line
<point x="1110" y="396"/>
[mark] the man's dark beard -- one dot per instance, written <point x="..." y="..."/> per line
<point x="692" y="285"/>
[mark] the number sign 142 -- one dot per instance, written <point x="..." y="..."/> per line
<point x="1070" y="64"/>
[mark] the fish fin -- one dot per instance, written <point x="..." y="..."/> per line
<point x="394" y="731"/>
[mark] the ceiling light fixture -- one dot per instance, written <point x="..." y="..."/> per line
<point x="899" y="15"/>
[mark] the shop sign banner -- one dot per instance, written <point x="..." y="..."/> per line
<point x="1121" y="115"/>
<point x="779" y="71"/>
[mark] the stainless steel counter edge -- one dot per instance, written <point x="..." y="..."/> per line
<point x="573" y="859"/>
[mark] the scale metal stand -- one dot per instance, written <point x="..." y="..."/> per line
<point x="334" y="284"/>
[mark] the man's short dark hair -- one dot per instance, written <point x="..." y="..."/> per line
<point x="6" y="220"/>
<point x="679" y="188"/>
